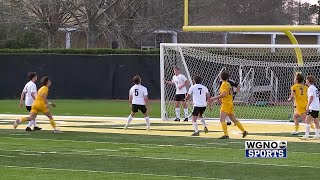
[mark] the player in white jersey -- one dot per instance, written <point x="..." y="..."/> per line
<point x="29" y="93"/>
<point x="200" y="96"/>
<point x="138" y="98"/>
<point x="313" y="108"/>
<point x="180" y="81"/>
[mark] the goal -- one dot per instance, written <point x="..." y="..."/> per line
<point x="265" y="74"/>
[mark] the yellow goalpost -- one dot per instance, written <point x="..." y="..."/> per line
<point x="254" y="28"/>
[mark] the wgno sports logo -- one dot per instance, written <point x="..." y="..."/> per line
<point x="266" y="149"/>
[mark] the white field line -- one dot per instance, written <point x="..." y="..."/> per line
<point x="107" y="172"/>
<point x="169" y="159"/>
<point x="249" y="121"/>
<point x="1" y="155"/>
<point x="25" y="154"/>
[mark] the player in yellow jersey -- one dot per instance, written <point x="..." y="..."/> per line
<point x="40" y="104"/>
<point x="299" y="92"/>
<point x="226" y="110"/>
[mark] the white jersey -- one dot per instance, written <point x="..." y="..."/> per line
<point x="313" y="91"/>
<point x="178" y="81"/>
<point x="199" y="95"/>
<point x="138" y="92"/>
<point x="29" y="88"/>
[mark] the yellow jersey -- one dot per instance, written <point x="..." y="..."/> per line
<point x="300" y="95"/>
<point x="226" y="87"/>
<point x="43" y="91"/>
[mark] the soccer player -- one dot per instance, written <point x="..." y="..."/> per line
<point x="227" y="106"/>
<point x="200" y="95"/>
<point x="236" y="89"/>
<point x="300" y="96"/>
<point x="180" y="81"/>
<point x="313" y="108"/>
<point x="138" y="99"/>
<point x="40" y="104"/>
<point x="29" y="94"/>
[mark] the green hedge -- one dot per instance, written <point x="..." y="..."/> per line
<point x="78" y="51"/>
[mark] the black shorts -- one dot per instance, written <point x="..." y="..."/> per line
<point x="136" y="107"/>
<point x="28" y="108"/>
<point x="180" y="97"/>
<point x="198" y="111"/>
<point x="312" y="113"/>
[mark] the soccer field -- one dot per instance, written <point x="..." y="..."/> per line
<point x="98" y="148"/>
<point x="111" y="108"/>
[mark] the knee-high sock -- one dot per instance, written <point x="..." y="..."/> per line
<point x="53" y="124"/>
<point x="224" y="128"/>
<point x="307" y="130"/>
<point x="186" y="113"/>
<point x="147" y="121"/>
<point x="129" y="120"/>
<point x="203" y="122"/>
<point x="296" y="128"/>
<point x="34" y="123"/>
<point x="30" y="123"/>
<point x="178" y="113"/>
<point x="312" y="125"/>
<point x="23" y="119"/>
<point x="316" y="131"/>
<point x="238" y="123"/>
<point x="195" y="126"/>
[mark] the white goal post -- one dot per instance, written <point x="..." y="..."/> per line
<point x="264" y="76"/>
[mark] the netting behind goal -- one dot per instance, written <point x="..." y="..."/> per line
<point x="265" y="74"/>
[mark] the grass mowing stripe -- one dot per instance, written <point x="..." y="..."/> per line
<point x="170" y="159"/>
<point x="98" y="142"/>
<point x="109" y="172"/>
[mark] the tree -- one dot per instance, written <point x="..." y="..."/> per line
<point x="49" y="16"/>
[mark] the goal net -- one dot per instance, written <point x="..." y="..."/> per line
<point x="265" y="74"/>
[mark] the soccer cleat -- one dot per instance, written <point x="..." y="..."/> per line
<point x="229" y="123"/>
<point x="177" y="119"/>
<point x="295" y="133"/>
<point x="16" y="123"/>
<point x="37" y="128"/>
<point x="304" y="138"/>
<point x="125" y="127"/>
<point x="224" y="137"/>
<point x="28" y="129"/>
<point x="57" y="131"/>
<point x="195" y="134"/>
<point x="186" y="119"/>
<point x="206" y="130"/>
<point x="148" y="129"/>
<point x="244" y="134"/>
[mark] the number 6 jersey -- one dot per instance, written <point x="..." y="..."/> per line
<point x="138" y="92"/>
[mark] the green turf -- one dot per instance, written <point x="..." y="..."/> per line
<point x="122" y="109"/>
<point x="80" y="155"/>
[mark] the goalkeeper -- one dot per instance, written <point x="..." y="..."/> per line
<point x="236" y="89"/>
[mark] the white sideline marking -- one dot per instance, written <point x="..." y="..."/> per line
<point x="108" y="172"/>
<point x="80" y="151"/>
<point x="1" y="155"/>
<point x="130" y="148"/>
<point x="173" y="159"/>
<point x="20" y="134"/>
<point x="111" y="150"/>
<point x="24" y="154"/>
<point x="223" y="144"/>
<point x="250" y="121"/>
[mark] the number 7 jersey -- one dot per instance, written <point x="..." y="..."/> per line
<point x="199" y="95"/>
<point x="300" y="95"/>
<point x="138" y="92"/>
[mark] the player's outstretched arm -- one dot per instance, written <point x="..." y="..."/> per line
<point x="291" y="96"/>
<point x="168" y="82"/>
<point x="222" y="95"/>
<point x="21" y="98"/>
